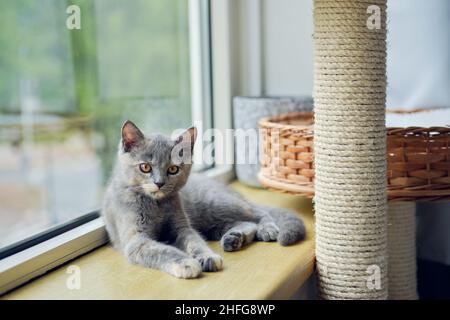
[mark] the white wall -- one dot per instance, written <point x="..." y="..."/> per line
<point x="288" y="47"/>
<point x="273" y="40"/>
<point x="275" y="50"/>
<point x="418" y="63"/>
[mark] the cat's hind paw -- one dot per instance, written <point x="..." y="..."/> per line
<point x="267" y="232"/>
<point x="210" y="262"/>
<point x="186" y="268"/>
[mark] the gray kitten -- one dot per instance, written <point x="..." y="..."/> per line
<point x="157" y="217"/>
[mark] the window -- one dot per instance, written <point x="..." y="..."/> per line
<point x="65" y="93"/>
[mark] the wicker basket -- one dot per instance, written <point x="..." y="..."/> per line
<point x="418" y="158"/>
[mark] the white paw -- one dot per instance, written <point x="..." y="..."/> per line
<point x="210" y="261"/>
<point x="185" y="268"/>
<point x="267" y="232"/>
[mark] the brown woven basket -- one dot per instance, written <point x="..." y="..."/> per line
<point x="418" y="158"/>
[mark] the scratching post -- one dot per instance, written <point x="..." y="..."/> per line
<point x="350" y="150"/>
<point x="402" y="250"/>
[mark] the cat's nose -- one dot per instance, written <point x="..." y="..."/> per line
<point x="159" y="184"/>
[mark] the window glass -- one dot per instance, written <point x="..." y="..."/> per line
<point x="64" y="94"/>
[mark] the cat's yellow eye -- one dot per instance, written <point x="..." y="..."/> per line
<point x="145" y="167"/>
<point x="173" y="170"/>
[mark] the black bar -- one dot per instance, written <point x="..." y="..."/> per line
<point x="47" y="234"/>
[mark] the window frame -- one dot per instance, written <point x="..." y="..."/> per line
<point x="39" y="254"/>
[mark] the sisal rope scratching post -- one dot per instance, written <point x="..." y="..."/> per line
<point x="402" y="250"/>
<point x="350" y="150"/>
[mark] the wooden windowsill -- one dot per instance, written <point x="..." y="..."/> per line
<point x="260" y="271"/>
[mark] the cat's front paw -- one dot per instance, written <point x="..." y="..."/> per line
<point x="232" y="241"/>
<point x="210" y="261"/>
<point x="267" y="232"/>
<point x="186" y="268"/>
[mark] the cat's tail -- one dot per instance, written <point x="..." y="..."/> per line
<point x="291" y="227"/>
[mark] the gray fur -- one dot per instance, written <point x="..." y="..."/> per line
<point x="164" y="228"/>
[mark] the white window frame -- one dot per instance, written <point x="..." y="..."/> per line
<point x="30" y="263"/>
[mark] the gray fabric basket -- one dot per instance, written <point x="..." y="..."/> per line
<point x="247" y="111"/>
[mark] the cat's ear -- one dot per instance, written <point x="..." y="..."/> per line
<point x="131" y="135"/>
<point x="184" y="146"/>
<point x="188" y="137"/>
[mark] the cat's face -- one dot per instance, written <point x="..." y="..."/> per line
<point x="155" y="165"/>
